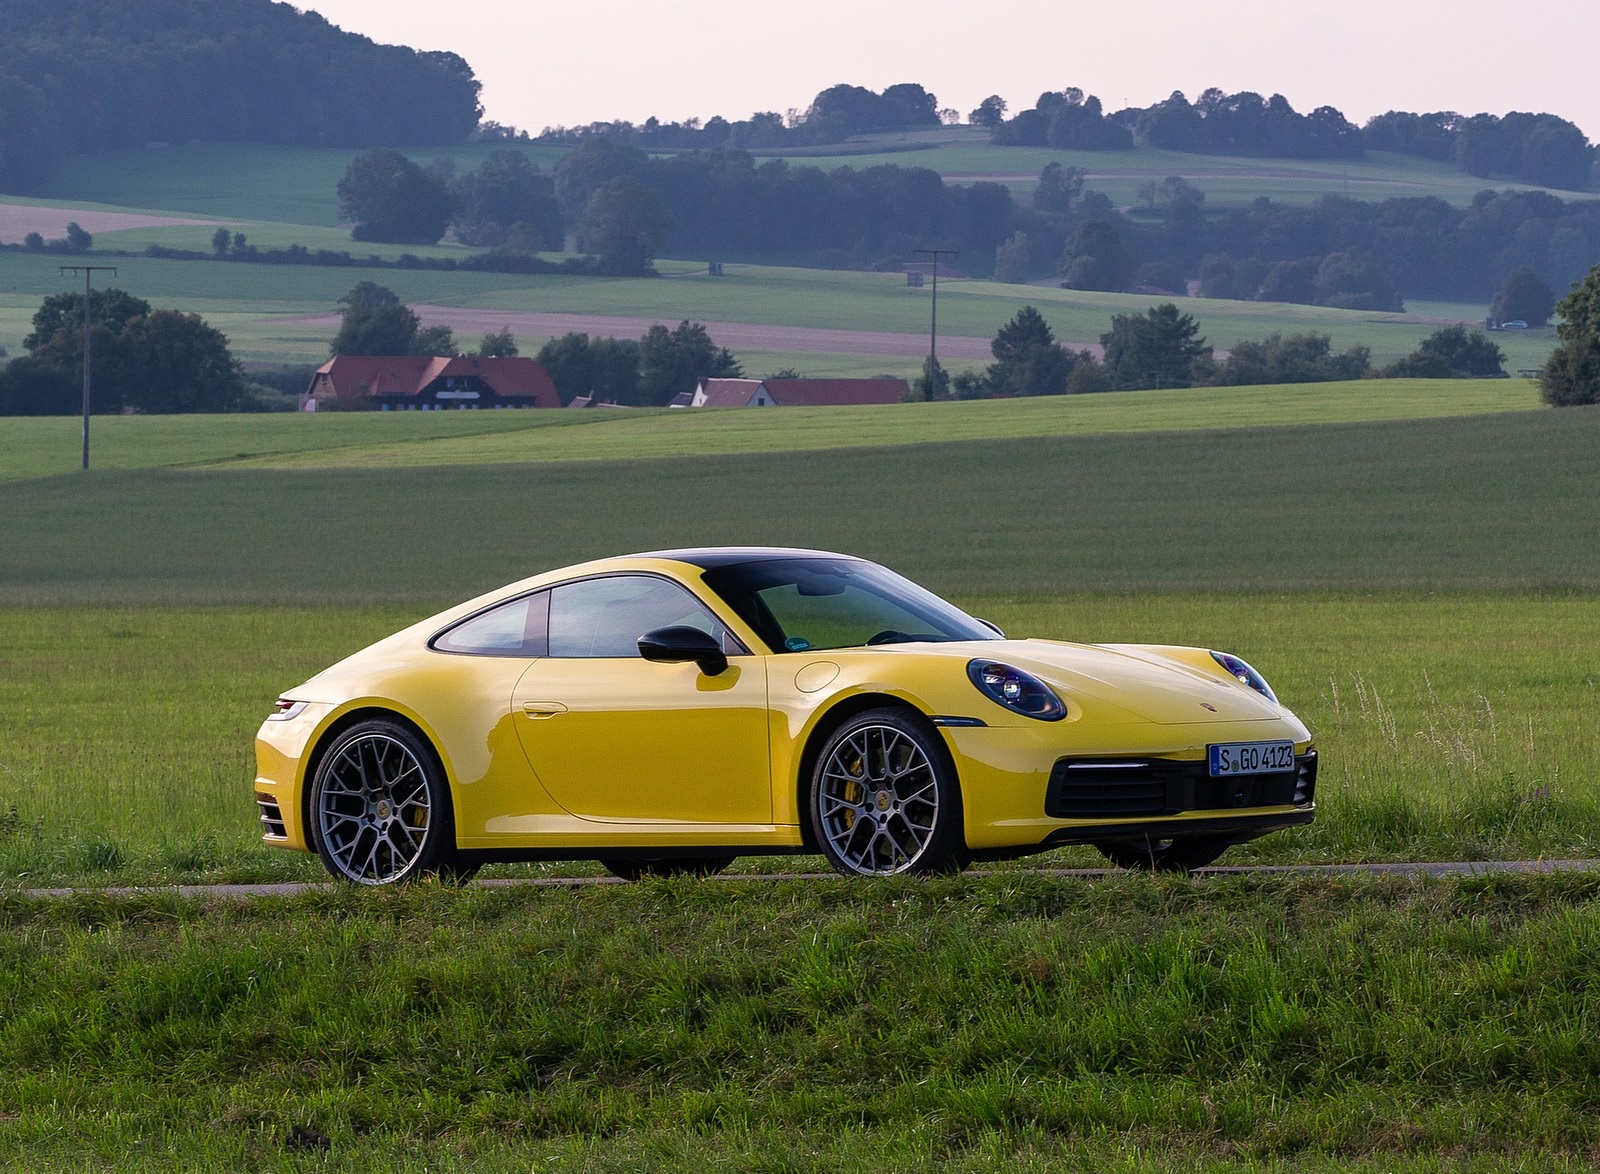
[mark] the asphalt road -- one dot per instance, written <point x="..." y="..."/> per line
<point x="1423" y="868"/>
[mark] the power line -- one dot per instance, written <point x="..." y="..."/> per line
<point x="933" y="329"/>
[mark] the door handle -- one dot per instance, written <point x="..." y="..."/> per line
<point x="543" y="708"/>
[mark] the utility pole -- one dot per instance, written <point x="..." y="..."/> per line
<point x="88" y="272"/>
<point x="933" y="328"/>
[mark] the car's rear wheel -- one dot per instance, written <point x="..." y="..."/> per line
<point x="380" y="808"/>
<point x="632" y="868"/>
<point x="1179" y="854"/>
<point x="885" y="798"/>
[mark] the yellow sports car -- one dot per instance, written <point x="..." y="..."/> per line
<point x="667" y="712"/>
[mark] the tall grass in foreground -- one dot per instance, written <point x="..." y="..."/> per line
<point x="993" y="1023"/>
<point x="1451" y="726"/>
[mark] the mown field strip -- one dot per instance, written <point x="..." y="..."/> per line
<point x="40" y="446"/>
<point x="1480" y="501"/>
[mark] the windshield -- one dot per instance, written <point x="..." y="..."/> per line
<point x="798" y="604"/>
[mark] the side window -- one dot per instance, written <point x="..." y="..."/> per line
<point x="515" y="628"/>
<point x="606" y="617"/>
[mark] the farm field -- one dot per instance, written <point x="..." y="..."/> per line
<point x="1412" y="587"/>
<point x="295" y="185"/>
<point x="1422" y="590"/>
<point x="274" y="314"/>
<point x="40" y="446"/>
<point x="1497" y="502"/>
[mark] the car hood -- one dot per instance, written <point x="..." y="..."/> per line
<point x="1129" y="682"/>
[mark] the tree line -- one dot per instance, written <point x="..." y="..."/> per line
<point x="1163" y="347"/>
<point x="97" y="75"/>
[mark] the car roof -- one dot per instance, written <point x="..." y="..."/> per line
<point x="710" y="557"/>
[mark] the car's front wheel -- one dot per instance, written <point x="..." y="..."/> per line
<point x="1179" y="854"/>
<point x="380" y="807"/>
<point x="885" y="799"/>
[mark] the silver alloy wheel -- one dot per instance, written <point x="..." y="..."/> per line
<point x="374" y="808"/>
<point x="878" y="800"/>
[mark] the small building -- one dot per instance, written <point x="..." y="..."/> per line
<point x="421" y="383"/>
<point x="797" y="393"/>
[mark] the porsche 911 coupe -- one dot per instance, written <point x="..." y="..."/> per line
<point x="667" y="712"/>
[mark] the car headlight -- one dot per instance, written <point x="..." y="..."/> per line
<point x="1244" y="674"/>
<point x="1018" y="691"/>
<point x="286" y="710"/>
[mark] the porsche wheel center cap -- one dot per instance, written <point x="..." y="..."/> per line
<point x="381" y="811"/>
<point x="881" y="801"/>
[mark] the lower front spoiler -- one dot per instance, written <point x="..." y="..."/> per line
<point x="1236" y="829"/>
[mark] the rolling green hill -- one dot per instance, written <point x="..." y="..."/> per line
<point x="1476" y="501"/>
<point x="40" y="446"/>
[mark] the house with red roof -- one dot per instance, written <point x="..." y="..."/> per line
<point x="422" y="383"/>
<point x="797" y="393"/>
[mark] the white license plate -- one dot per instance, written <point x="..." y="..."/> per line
<point x="1250" y="758"/>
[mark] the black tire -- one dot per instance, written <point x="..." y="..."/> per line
<point x="884" y="798"/>
<point x="380" y="808"/>
<point x="632" y="868"/>
<point x="1175" y="855"/>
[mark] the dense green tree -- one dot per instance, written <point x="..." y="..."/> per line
<point x="1155" y="349"/>
<point x="436" y="340"/>
<point x="220" y="240"/>
<point x="58" y="323"/>
<point x="1028" y="360"/>
<point x="1572" y="373"/>
<point x="1012" y="259"/>
<point x="1096" y="258"/>
<point x="167" y="361"/>
<point x="990" y="112"/>
<point x="375" y="322"/>
<point x="506" y="190"/>
<point x="1354" y="281"/>
<point x="392" y="199"/>
<point x="1523" y="297"/>
<point x="148" y="360"/>
<point x="32" y="387"/>
<point x="498" y="344"/>
<point x="673" y="361"/>
<point x="82" y="76"/>
<point x="597" y="161"/>
<point x="933" y="383"/>
<point x="624" y="225"/>
<point x="1451" y="353"/>
<point x="1299" y="358"/>
<point x="607" y="368"/>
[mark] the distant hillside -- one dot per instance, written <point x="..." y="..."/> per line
<point x="95" y="75"/>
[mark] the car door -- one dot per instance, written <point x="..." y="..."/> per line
<point x="615" y="737"/>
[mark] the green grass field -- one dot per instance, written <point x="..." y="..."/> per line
<point x="1452" y="725"/>
<point x="1413" y="565"/>
<point x="261" y="308"/>
<point x="1497" y="501"/>
<point x="1131" y="1024"/>
<point x="41" y="446"/>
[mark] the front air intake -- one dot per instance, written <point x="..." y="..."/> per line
<point x="271" y="817"/>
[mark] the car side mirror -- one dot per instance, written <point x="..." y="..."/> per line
<point x="992" y="626"/>
<point x="677" y="644"/>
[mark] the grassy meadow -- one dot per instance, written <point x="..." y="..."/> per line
<point x="1413" y="565"/>
<point x="41" y="446"/>
<point x="276" y="314"/>
<point x="1421" y="589"/>
<point x="999" y="1023"/>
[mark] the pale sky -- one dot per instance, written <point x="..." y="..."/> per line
<point x="544" y="63"/>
